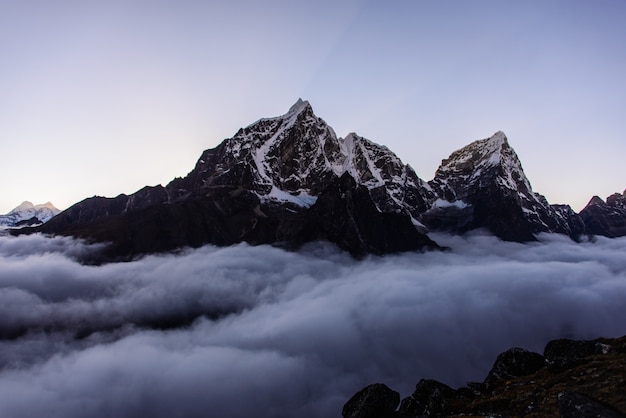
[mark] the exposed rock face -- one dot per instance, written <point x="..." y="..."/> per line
<point x="516" y="362"/>
<point x="523" y="383"/>
<point x="566" y="216"/>
<point x="373" y="401"/>
<point x="28" y="222"/>
<point x="564" y="353"/>
<point x="430" y="398"/>
<point x="343" y="214"/>
<point x="293" y="158"/>
<point x="606" y="218"/>
<point x="346" y="214"/>
<point x="483" y="185"/>
<point x="577" y="405"/>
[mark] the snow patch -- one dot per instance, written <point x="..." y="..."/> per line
<point x="441" y="203"/>
<point x="302" y="199"/>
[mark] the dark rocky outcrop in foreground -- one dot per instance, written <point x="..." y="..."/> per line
<point x="373" y="401"/>
<point x="572" y="379"/>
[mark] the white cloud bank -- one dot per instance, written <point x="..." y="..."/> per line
<point x="278" y="334"/>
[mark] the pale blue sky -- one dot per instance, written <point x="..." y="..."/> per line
<point x="104" y="97"/>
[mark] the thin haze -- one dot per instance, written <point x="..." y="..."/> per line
<point x="102" y="98"/>
<point x="271" y="333"/>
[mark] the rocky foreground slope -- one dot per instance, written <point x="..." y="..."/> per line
<point x="572" y="379"/>
<point x="289" y="180"/>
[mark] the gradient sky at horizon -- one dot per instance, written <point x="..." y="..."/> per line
<point x="102" y="98"/>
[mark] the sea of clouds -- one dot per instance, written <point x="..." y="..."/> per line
<point x="258" y="331"/>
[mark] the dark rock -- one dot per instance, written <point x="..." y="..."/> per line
<point x="410" y="407"/>
<point x="28" y="222"/>
<point x="564" y="353"/>
<point x="606" y="218"/>
<point x="374" y="401"/>
<point x="346" y="214"/>
<point x="515" y="362"/>
<point x="222" y="217"/>
<point x="577" y="405"/>
<point x="574" y="223"/>
<point x="431" y="398"/>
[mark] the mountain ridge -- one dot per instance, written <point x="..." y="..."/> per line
<point x="262" y="186"/>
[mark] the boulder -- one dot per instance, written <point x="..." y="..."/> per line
<point x="430" y="398"/>
<point x="563" y="353"/>
<point x="373" y="401"/>
<point x="515" y="362"/>
<point x="577" y="405"/>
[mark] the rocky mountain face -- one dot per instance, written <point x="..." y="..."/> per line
<point x="606" y="218"/>
<point x="293" y="158"/>
<point x="572" y="379"/>
<point x="289" y="180"/>
<point x="28" y="214"/>
<point x="483" y="185"/>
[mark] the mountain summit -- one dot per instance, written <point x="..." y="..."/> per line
<point x="483" y="185"/>
<point x="292" y="158"/>
<point x="28" y="214"/>
<point x="288" y="180"/>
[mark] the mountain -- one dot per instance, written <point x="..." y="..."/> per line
<point x="28" y="214"/>
<point x="292" y="158"/>
<point x="286" y="180"/>
<point x="606" y="218"/>
<point x="483" y="185"/>
<point x="289" y="180"/>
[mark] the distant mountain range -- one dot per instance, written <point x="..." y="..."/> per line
<point x="289" y="180"/>
<point x="27" y="214"/>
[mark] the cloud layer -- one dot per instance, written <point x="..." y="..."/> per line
<point x="244" y="331"/>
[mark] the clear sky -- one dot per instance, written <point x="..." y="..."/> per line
<point x="104" y="97"/>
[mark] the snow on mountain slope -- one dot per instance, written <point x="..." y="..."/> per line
<point x="487" y="176"/>
<point x="292" y="158"/>
<point x="291" y="179"/>
<point x="27" y="210"/>
<point x="478" y="164"/>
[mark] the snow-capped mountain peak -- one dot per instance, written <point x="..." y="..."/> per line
<point x="487" y="177"/>
<point x="24" y="206"/>
<point x="298" y="106"/>
<point x="294" y="157"/>
<point x="480" y="162"/>
<point x="290" y="179"/>
<point x="26" y="211"/>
